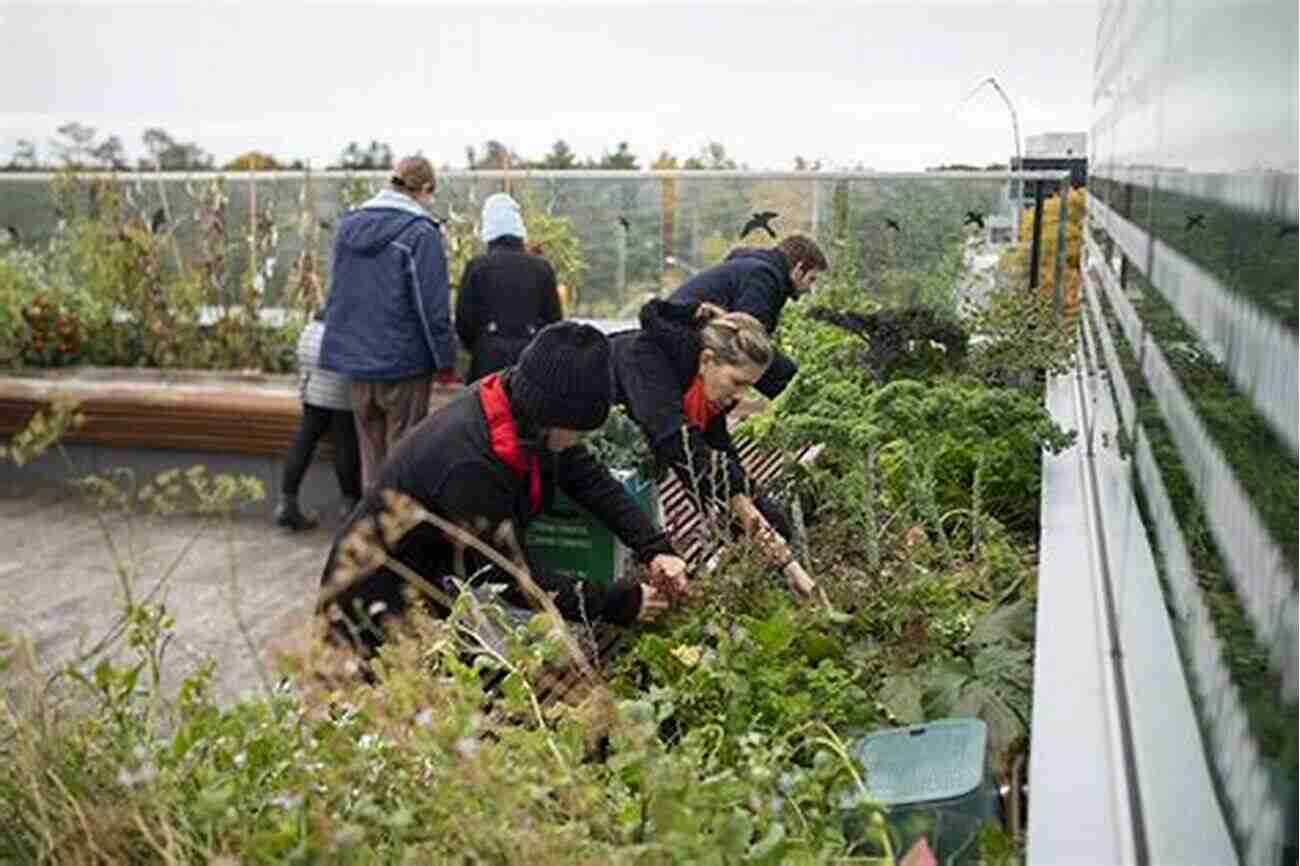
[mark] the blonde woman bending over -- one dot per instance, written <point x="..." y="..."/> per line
<point x="678" y="377"/>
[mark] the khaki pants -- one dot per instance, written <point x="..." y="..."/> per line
<point x="384" y="411"/>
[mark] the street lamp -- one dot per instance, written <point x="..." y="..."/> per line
<point x="1015" y="131"/>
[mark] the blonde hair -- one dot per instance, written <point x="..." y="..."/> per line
<point x="734" y="338"/>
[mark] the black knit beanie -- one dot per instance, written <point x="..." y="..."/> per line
<point x="562" y="378"/>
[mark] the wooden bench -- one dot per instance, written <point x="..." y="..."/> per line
<point x="228" y="413"/>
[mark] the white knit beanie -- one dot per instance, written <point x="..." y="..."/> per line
<point x="501" y="217"/>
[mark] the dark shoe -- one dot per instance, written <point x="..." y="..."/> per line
<point x="290" y="516"/>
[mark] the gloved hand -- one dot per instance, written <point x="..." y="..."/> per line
<point x="776" y="515"/>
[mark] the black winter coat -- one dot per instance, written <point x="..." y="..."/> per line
<point x="653" y="368"/>
<point x="754" y="281"/>
<point x="446" y="463"/>
<point x="506" y="295"/>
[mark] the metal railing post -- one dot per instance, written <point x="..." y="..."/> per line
<point x="1062" y="243"/>
<point x="1036" y="247"/>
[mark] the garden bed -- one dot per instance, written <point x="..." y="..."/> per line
<point x="721" y="734"/>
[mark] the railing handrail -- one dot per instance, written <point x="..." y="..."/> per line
<point x="566" y="174"/>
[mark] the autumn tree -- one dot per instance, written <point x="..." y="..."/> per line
<point x="665" y="161"/>
<point x="253" y="160"/>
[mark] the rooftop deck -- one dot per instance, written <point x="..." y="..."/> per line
<point x="59" y="586"/>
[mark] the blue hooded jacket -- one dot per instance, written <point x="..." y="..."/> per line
<point x="389" y="310"/>
<point x="754" y="281"/>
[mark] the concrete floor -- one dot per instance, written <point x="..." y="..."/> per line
<point x="58" y="585"/>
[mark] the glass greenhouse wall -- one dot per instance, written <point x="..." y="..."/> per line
<point x="1191" y="318"/>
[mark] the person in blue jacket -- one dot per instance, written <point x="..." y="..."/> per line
<point x="759" y="282"/>
<point x="388" y="321"/>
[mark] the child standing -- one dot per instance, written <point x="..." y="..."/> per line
<point x="326" y="405"/>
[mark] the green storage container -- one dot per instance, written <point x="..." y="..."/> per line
<point x="567" y="539"/>
<point x="934" y="782"/>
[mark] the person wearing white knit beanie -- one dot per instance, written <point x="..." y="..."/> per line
<point x="506" y="295"/>
<point x="501" y="217"/>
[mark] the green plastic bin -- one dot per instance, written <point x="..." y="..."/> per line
<point x="934" y="781"/>
<point x="567" y="539"/>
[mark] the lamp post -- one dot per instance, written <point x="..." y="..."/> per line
<point x="1015" y="131"/>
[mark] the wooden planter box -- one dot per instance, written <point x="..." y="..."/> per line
<point x="188" y="410"/>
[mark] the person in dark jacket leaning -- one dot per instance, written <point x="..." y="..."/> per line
<point x="388" y="320"/>
<point x="678" y="377"/>
<point x="759" y="282"/>
<point x="506" y="294"/>
<point x="489" y="461"/>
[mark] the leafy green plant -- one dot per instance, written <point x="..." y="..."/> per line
<point x="911" y="342"/>
<point x="620" y="445"/>
<point x="110" y="289"/>
<point x="42" y="431"/>
<point x="773" y="669"/>
<point x="1016" y="336"/>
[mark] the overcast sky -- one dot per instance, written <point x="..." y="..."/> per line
<point x="877" y="83"/>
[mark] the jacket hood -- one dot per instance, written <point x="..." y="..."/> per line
<point x="379" y="221"/>
<point x="773" y="259"/>
<point x="670" y="326"/>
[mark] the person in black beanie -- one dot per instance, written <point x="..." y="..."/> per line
<point x="489" y="462"/>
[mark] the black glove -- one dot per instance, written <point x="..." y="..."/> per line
<point x="774" y="512"/>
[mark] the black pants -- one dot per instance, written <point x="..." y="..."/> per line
<point x="493" y="352"/>
<point x="347" y="456"/>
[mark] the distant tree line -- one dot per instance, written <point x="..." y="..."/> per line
<point x="961" y="166"/>
<point x="82" y="147"/>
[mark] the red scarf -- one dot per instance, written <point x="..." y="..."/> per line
<point x="700" y="410"/>
<point x="504" y="434"/>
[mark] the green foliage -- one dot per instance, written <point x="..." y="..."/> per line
<point x="958" y="427"/>
<point x="911" y="342"/>
<point x="719" y="735"/>
<point x="769" y="670"/>
<point x="414" y="771"/>
<point x="1263" y="465"/>
<point x="20" y="281"/>
<point x="43" y="430"/>
<point x="620" y="444"/>
<point x="1016" y="335"/>
<point x="109" y="290"/>
<point x="1272" y="722"/>
<point x="989" y="675"/>
<point x="949" y="429"/>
